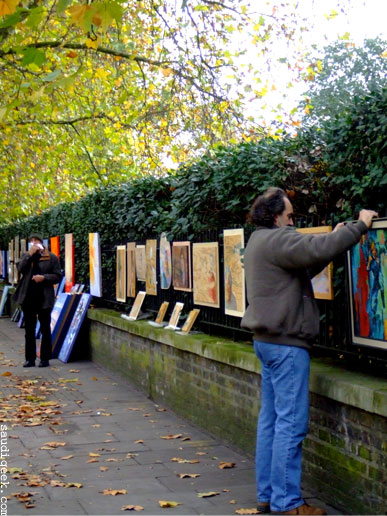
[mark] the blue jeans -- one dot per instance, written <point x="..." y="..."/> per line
<point x="282" y="424"/>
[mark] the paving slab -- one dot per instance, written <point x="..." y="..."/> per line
<point x="76" y="430"/>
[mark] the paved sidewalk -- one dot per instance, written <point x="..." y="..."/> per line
<point x="75" y="431"/>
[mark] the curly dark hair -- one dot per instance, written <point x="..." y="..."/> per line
<point x="267" y="206"/>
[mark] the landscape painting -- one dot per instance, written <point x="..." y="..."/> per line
<point x="367" y="274"/>
<point x="234" y="273"/>
<point x="206" y="274"/>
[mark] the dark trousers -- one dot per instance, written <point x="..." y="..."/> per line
<point x="44" y="316"/>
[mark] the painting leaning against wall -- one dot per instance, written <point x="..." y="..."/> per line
<point x="367" y="268"/>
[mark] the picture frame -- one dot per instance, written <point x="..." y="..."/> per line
<point x="165" y="261"/>
<point x="175" y="316"/>
<point x="140" y="263"/>
<point x="69" y="262"/>
<point x="151" y="267"/>
<point x="206" y="274"/>
<point x="181" y="266"/>
<point x="121" y="273"/>
<point x="234" y="273"/>
<point x="131" y="269"/>
<point x="367" y="281"/>
<point x="323" y="282"/>
<point x="74" y="327"/>
<point x="159" y="321"/>
<point x="136" y="307"/>
<point x="95" y="267"/>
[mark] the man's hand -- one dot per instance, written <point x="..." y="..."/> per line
<point x="38" y="278"/>
<point x="366" y="216"/>
<point x="338" y="226"/>
<point x="33" y="249"/>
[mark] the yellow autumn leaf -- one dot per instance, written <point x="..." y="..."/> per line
<point x="189" y="475"/>
<point x="92" y="43"/>
<point x="77" y="13"/>
<point x="78" y="485"/>
<point x="166" y="503"/>
<point x="207" y="495"/>
<point x="8" y="7"/>
<point x="92" y="454"/>
<point x="247" y="511"/>
<point x="226" y="465"/>
<point x="7" y="373"/>
<point x="101" y="73"/>
<point x="166" y="71"/>
<point x="114" y="492"/>
<point x="132" y="508"/>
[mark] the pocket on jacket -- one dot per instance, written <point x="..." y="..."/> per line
<point x="310" y="327"/>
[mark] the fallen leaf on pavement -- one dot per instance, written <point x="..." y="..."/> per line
<point x="185" y="461"/>
<point x="67" y="457"/>
<point x="247" y="511"/>
<point x="103" y="468"/>
<point x="226" y="465"/>
<point x="170" y="436"/>
<point x="74" y="371"/>
<point x="189" y="475"/>
<point x="7" y="373"/>
<point x="166" y="503"/>
<point x="132" y="508"/>
<point x="114" y="492"/>
<point x="92" y="460"/>
<point x="207" y="495"/>
<point x="74" y="484"/>
<point x="140" y="441"/>
<point x="51" y="445"/>
<point x="92" y="454"/>
<point x="68" y="380"/>
<point x="232" y="501"/>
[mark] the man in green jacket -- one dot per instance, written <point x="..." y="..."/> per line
<point x="283" y="315"/>
<point x="40" y="270"/>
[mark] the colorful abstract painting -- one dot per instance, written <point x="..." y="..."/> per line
<point x="69" y="262"/>
<point x="54" y="245"/>
<point x="95" y="265"/>
<point x="367" y="267"/>
<point x="234" y="274"/>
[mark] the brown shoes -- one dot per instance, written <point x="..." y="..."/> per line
<point x="263" y="507"/>
<point x="304" y="509"/>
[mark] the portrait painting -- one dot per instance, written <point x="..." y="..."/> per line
<point x="131" y="269"/>
<point x="181" y="266"/>
<point x="206" y="274"/>
<point x="140" y="263"/>
<point x="54" y="245"/>
<point x="367" y="275"/>
<point x="165" y="259"/>
<point x="151" y="265"/>
<point x="322" y="282"/>
<point x="95" y="265"/>
<point x="234" y="273"/>
<point x="121" y="273"/>
<point x="69" y="262"/>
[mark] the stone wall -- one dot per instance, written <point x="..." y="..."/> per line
<point x="215" y="383"/>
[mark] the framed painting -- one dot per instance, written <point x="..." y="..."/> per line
<point x="367" y="277"/>
<point x="75" y="326"/>
<point x="95" y="265"/>
<point x="140" y="263"/>
<point x="206" y="274"/>
<point x="121" y="273"/>
<point x="181" y="266"/>
<point x="234" y="273"/>
<point x="135" y="310"/>
<point x="192" y="316"/>
<point x="131" y="269"/>
<point x="54" y="246"/>
<point x="151" y="264"/>
<point x="165" y="259"/>
<point x="322" y="282"/>
<point x="175" y="316"/>
<point x="61" y="316"/>
<point x="69" y="262"/>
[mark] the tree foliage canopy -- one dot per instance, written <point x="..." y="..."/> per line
<point x="95" y="91"/>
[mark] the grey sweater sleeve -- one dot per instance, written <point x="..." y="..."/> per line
<point x="294" y="250"/>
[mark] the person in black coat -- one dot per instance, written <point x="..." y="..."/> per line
<point x="40" y="271"/>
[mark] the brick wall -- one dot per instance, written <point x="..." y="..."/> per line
<point x="216" y="385"/>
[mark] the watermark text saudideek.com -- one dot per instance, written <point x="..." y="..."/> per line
<point x="4" y="453"/>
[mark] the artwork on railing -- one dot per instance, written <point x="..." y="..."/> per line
<point x="140" y="263"/>
<point x="121" y="273"/>
<point x="69" y="261"/>
<point x="95" y="265"/>
<point x="151" y="266"/>
<point x="181" y="266"/>
<point x="206" y="274"/>
<point x="165" y="260"/>
<point x="131" y="269"/>
<point x="367" y="275"/>
<point x="234" y="274"/>
<point x="322" y="282"/>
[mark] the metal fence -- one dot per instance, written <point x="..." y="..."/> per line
<point x="335" y="335"/>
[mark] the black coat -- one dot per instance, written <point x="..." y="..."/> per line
<point x="49" y="267"/>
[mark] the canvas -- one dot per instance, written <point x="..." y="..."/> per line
<point x="165" y="262"/>
<point x="121" y="273"/>
<point x="322" y="282"/>
<point x="192" y="316"/>
<point x="162" y="311"/>
<point x="3" y="301"/>
<point x="131" y="268"/>
<point x="234" y="274"/>
<point x="69" y="262"/>
<point x="367" y="275"/>
<point x="61" y="317"/>
<point x="135" y="310"/>
<point x="4" y="270"/>
<point x="54" y="246"/>
<point x="175" y="316"/>
<point x="181" y="266"/>
<point x="1" y="264"/>
<point x="151" y="265"/>
<point x="75" y="326"/>
<point x="140" y="263"/>
<point x="95" y="265"/>
<point x="206" y="274"/>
